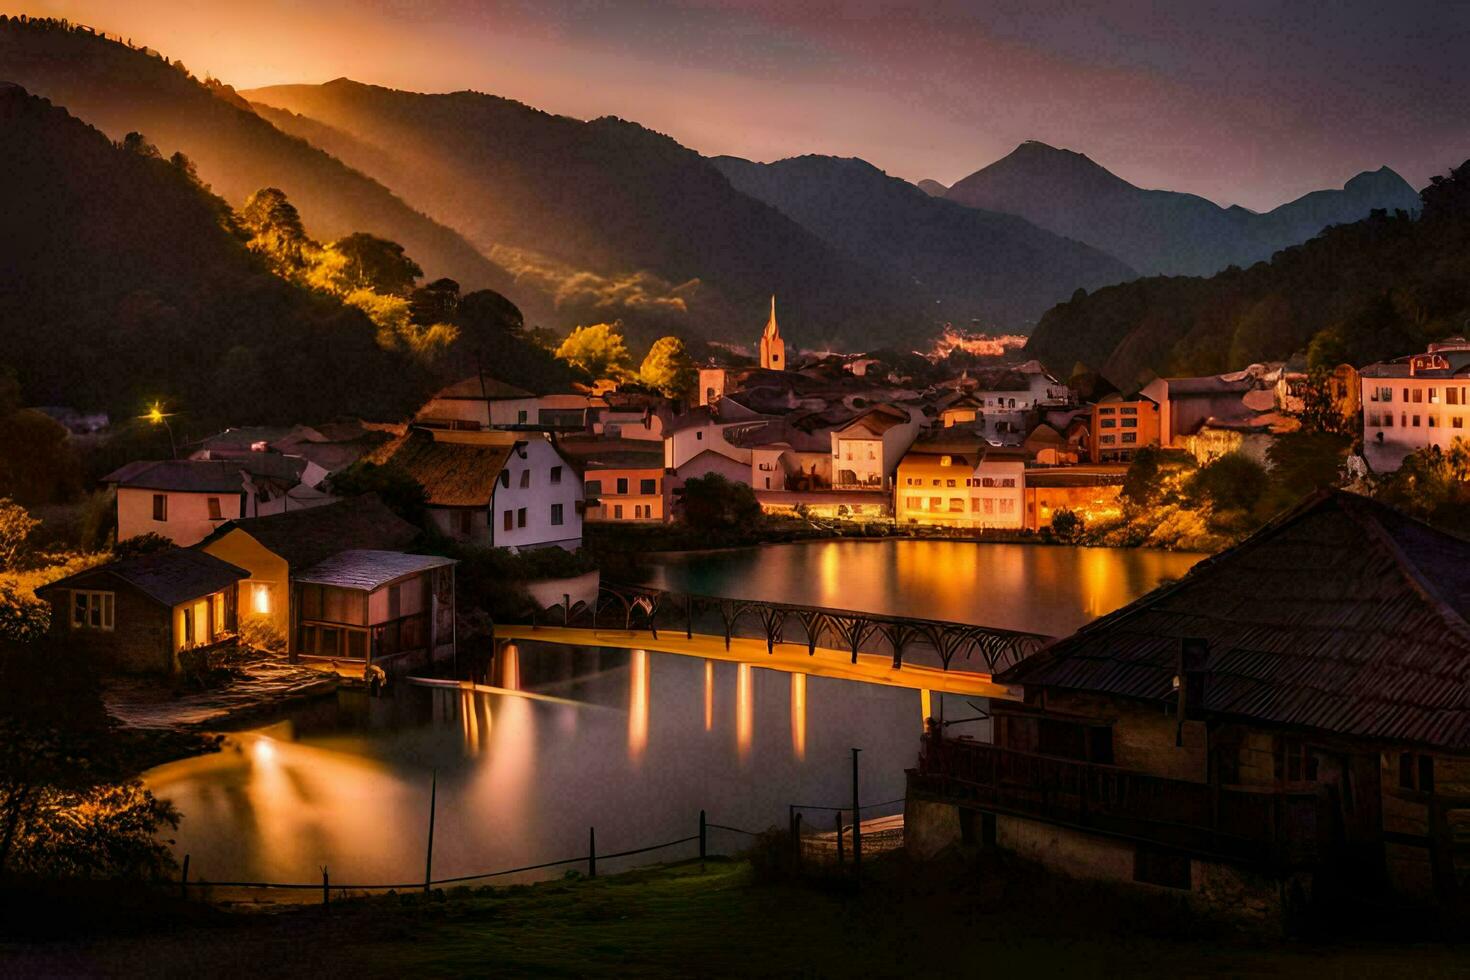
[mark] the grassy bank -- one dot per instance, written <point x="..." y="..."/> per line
<point x="681" y="921"/>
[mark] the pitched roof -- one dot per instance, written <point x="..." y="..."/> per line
<point x="453" y="469"/>
<point x="878" y="419"/>
<point x="366" y="569"/>
<point x="304" y="537"/>
<point x="1342" y="615"/>
<point x="168" y="577"/>
<point x="477" y="388"/>
<point x="207" y="475"/>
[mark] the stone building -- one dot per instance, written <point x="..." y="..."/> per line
<point x="1288" y="723"/>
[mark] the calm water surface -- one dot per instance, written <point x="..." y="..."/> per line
<point x="630" y="742"/>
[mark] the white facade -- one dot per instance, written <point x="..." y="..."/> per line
<point x="866" y="452"/>
<point x="682" y="445"/>
<point x="184" y="517"/>
<point x="1405" y="414"/>
<point x="537" y="500"/>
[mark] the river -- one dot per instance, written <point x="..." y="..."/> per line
<point x="632" y="743"/>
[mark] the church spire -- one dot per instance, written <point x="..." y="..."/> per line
<point x="773" y="348"/>
<point x="772" y="330"/>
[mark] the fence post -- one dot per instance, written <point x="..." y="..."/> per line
<point x="796" y="842"/>
<point x="326" y="887"/>
<point x="592" y="852"/>
<point x="429" y="858"/>
<point x="702" y="839"/>
<point x="857" y="819"/>
<point x="184" y="879"/>
<point x="839" y="838"/>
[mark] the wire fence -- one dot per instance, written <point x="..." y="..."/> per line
<point x="590" y="859"/>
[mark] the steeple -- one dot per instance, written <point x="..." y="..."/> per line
<point x="773" y="348"/>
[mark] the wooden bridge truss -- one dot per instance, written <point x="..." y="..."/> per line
<point x="631" y="607"/>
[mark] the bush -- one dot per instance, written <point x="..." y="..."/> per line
<point x="150" y="543"/>
<point x="23" y="617"/>
<point x="1067" y="526"/>
<point x="1232" y="482"/>
<point x="715" y="503"/>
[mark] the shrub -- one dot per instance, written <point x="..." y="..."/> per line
<point x="23" y="617"/>
<point x="1067" y="526"/>
<point x="142" y="544"/>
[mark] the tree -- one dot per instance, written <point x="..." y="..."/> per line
<point x="1447" y="197"/>
<point x="149" y="543"/>
<point x="1067" y="525"/>
<point x="436" y="302"/>
<point x="363" y="261"/>
<point x="398" y="489"/>
<point x="715" y="503"/>
<point x="668" y="368"/>
<point x="136" y="143"/>
<point x="599" y="350"/>
<point x="276" y="232"/>
<point x="1232" y="482"/>
<point x="16" y="525"/>
<point x="37" y="464"/>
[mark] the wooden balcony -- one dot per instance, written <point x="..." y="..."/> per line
<point x="1267" y="826"/>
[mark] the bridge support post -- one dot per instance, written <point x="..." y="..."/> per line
<point x="857" y="821"/>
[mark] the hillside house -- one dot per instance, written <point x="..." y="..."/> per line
<point x="620" y="483"/>
<point x="185" y="500"/>
<point x="867" y="449"/>
<point x="272" y="550"/>
<point x="1413" y="402"/>
<point x="142" y="615"/>
<point x="1184" y="403"/>
<point x="499" y="489"/>
<point x="1290" y="721"/>
<point x="1122" y="425"/>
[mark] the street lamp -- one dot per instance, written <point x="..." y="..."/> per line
<point x="157" y="415"/>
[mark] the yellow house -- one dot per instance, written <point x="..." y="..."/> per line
<point x="271" y="549"/>
<point x="950" y="478"/>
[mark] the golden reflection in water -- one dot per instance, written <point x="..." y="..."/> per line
<point x="744" y="710"/>
<point x="510" y="668"/>
<point x="798" y="716"/>
<point x="1102" y="592"/>
<point x="469" y="714"/>
<point x="638" y="705"/>
<point x="709" y="695"/>
<point x="944" y="571"/>
<point x="831" y="575"/>
<point x="925" y="708"/>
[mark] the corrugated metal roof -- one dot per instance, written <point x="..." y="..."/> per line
<point x="366" y="570"/>
<point x="1343" y="615"/>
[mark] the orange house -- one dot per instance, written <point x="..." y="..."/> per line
<point x="1123" y="425"/>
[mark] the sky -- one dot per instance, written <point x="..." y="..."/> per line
<point x="1244" y="102"/>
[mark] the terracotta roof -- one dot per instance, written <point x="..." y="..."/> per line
<point x="366" y="570"/>
<point x="453" y="473"/>
<point x="168" y="577"/>
<point x="305" y="537"/>
<point x="1343" y="615"/>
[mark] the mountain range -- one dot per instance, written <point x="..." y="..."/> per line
<point x="968" y="264"/>
<point x="1163" y="232"/>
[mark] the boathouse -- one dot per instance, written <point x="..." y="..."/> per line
<point x="1289" y="721"/>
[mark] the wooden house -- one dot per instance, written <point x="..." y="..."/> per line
<point x="1290" y="721"/>
<point x="141" y="615"/>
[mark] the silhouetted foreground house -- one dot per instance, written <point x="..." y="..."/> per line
<point x="140" y="614"/>
<point x="1288" y="720"/>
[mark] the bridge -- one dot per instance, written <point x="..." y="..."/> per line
<point x="897" y="651"/>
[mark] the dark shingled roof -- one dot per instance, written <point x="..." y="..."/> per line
<point x="169" y="577"/>
<point x="454" y="469"/>
<point x="207" y="475"/>
<point x="305" y="537"/>
<point x="1342" y="615"/>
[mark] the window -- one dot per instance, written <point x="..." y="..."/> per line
<point x="1130" y="437"/>
<point x="1433" y="421"/>
<point x="464" y="522"/>
<point x="1009" y="481"/>
<point x="617" y="512"/>
<point x="521" y="417"/>
<point x="1007" y="506"/>
<point x="1108" y="439"/>
<point x="914" y="503"/>
<point x="648" y="486"/>
<point x="556" y="474"/>
<point x="699" y="437"/>
<point x="709" y="394"/>
<point x="1416" y="772"/>
<point x="1458" y="422"/>
<point x="1105" y="411"/>
<point x="593" y="488"/>
<point x="521" y="517"/>
<point x="949" y="483"/>
<point x="1385" y="394"/>
<point x="91" y="610"/>
<point x="1416" y="421"/>
<point x="956" y="504"/>
<point x="160" y="506"/>
<point x="1128" y="411"/>
<point x="214" y="511"/>
<point x="1294" y="762"/>
<point x="935" y="503"/>
<point x="1388" y="420"/>
<point x="1130" y="423"/>
<point x="508" y="520"/>
<point x="622" y="484"/>
<point x="1434" y="396"/>
<point x="505" y="479"/>
<point x="556" y="512"/>
<point x="1418" y="395"/>
<point x="1452" y="396"/>
<point x="260" y="598"/>
<point x="525" y="479"/>
<point x="1109" y="423"/>
<point x="990" y="505"/>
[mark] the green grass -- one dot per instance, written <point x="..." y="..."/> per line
<point x="680" y="921"/>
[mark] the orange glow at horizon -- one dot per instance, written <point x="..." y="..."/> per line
<point x="798" y="716"/>
<point x="638" y="705"/>
<point x="744" y="711"/>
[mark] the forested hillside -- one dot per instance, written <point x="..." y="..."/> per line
<point x="1357" y="293"/>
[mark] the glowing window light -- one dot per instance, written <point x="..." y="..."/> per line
<point x="260" y="599"/>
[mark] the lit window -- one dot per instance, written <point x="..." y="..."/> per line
<point x="260" y="598"/>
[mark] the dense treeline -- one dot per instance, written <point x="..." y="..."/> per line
<point x="1360" y="292"/>
<point x="128" y="282"/>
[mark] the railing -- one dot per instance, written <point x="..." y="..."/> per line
<point x="630" y="607"/>
<point x="1267" y="826"/>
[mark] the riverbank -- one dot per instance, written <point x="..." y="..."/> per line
<point x="723" y="920"/>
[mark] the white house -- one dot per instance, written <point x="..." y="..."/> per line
<point x="1413" y="402"/>
<point x="866" y="450"/>
<point x="501" y="489"/>
<point x="186" y="499"/>
<point x="709" y="428"/>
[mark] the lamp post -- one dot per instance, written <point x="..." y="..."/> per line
<point x="155" y="416"/>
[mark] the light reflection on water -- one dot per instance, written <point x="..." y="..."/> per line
<point x="642" y="742"/>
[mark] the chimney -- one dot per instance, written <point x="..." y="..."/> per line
<point x="1189" y="682"/>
